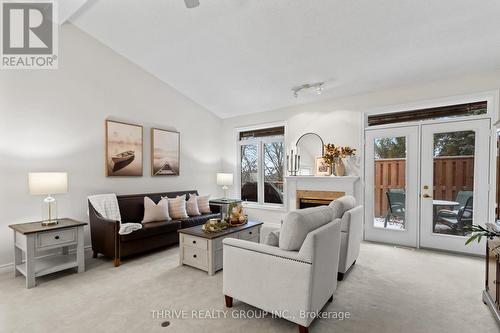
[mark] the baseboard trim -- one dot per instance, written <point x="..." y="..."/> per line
<point x="10" y="266"/>
<point x="6" y="267"/>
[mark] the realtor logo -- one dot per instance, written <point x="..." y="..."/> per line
<point x="29" y="34"/>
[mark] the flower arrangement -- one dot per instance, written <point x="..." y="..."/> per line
<point x="332" y="152"/>
<point x="214" y="225"/>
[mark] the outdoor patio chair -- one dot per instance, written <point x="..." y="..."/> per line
<point x="461" y="198"/>
<point x="396" y="201"/>
<point x="463" y="218"/>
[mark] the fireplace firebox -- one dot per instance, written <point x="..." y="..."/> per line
<point x="307" y="198"/>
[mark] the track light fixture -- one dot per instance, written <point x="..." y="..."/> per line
<point x="192" y="3"/>
<point x="316" y="87"/>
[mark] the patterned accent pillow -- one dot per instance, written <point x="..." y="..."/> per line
<point x="203" y="204"/>
<point x="177" y="208"/>
<point x="192" y="206"/>
<point x="155" y="212"/>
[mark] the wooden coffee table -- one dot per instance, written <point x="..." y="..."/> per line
<point x="204" y="250"/>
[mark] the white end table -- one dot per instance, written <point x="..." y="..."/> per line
<point x="31" y="237"/>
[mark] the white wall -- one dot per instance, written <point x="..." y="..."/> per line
<point x="54" y="121"/>
<point x="341" y="126"/>
<point x="340" y="121"/>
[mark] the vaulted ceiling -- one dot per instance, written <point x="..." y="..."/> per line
<point x="243" y="56"/>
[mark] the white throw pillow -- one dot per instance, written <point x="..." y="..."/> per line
<point x="177" y="208"/>
<point x="273" y="238"/>
<point x="155" y="212"/>
<point x="192" y="206"/>
<point x="203" y="204"/>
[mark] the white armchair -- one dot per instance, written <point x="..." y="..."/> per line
<point x="290" y="281"/>
<point x="351" y="217"/>
<point x="351" y="231"/>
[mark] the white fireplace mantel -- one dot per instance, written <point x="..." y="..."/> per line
<point x="317" y="183"/>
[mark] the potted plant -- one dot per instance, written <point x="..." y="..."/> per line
<point x="334" y="155"/>
<point x="479" y="232"/>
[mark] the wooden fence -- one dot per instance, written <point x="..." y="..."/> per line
<point x="451" y="174"/>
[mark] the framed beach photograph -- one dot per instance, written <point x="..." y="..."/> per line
<point x="322" y="168"/>
<point x="165" y="152"/>
<point x="124" y="150"/>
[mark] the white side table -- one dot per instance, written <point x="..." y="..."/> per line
<point x="32" y="237"/>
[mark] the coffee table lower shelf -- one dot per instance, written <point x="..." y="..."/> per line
<point x="205" y="251"/>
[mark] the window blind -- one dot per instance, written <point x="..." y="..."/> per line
<point x="262" y="132"/>
<point x="458" y="110"/>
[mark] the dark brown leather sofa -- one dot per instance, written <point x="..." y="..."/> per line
<point x="107" y="241"/>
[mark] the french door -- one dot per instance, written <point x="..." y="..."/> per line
<point x="391" y="178"/>
<point x="425" y="184"/>
<point x="454" y="183"/>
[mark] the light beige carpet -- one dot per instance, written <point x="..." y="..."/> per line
<point x="389" y="290"/>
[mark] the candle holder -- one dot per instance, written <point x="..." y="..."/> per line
<point x="293" y="163"/>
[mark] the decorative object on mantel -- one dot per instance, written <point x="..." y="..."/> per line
<point x="214" y="225"/>
<point x="322" y="167"/>
<point x="353" y="165"/>
<point x="293" y="162"/>
<point x="334" y="155"/>
<point x="48" y="183"/>
<point x="309" y="147"/>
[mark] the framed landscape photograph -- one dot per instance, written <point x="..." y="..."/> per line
<point x="165" y="152"/>
<point x="322" y="168"/>
<point x="124" y="150"/>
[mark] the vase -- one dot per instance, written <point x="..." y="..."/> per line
<point x="339" y="168"/>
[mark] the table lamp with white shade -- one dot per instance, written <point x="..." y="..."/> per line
<point x="225" y="180"/>
<point x="48" y="183"/>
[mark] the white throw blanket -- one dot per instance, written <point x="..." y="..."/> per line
<point x="107" y="206"/>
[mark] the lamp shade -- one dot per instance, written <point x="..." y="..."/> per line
<point x="225" y="179"/>
<point x="48" y="183"/>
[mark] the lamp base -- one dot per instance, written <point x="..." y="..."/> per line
<point x="49" y="223"/>
<point x="225" y="188"/>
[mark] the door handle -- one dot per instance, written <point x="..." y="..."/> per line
<point x="426" y="196"/>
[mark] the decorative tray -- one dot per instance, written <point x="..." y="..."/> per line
<point x="237" y="224"/>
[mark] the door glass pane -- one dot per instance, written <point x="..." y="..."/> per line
<point x="453" y="182"/>
<point x="249" y="174"/>
<point x="273" y="172"/>
<point x="390" y="183"/>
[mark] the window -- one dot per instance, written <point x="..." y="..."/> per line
<point x="262" y="165"/>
